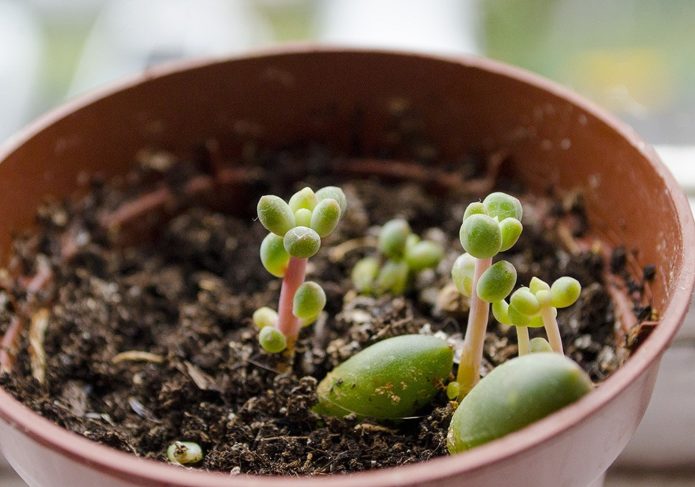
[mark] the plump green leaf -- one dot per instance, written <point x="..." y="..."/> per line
<point x="538" y="285"/>
<point x="510" y="229"/>
<point x="274" y="257"/>
<point x="520" y="319"/>
<point x="516" y="394"/>
<point x="302" y="242"/>
<point x="302" y="217"/>
<point x="308" y="301"/>
<point x="423" y="255"/>
<point x="392" y="278"/>
<point x="496" y="282"/>
<point x="325" y="217"/>
<point x="272" y="340"/>
<point x="275" y="215"/>
<point x="393" y="237"/>
<point x="304" y="198"/>
<point x="502" y="205"/>
<point x="364" y="274"/>
<point x="475" y="208"/>
<point x="462" y="274"/>
<point x="540" y="345"/>
<point x="452" y="390"/>
<point x="500" y="310"/>
<point x="480" y="236"/>
<point x="333" y="192"/>
<point x="265" y="316"/>
<point x="391" y="379"/>
<point x="525" y="301"/>
<point x="564" y="292"/>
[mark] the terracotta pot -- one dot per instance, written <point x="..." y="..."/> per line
<point x="555" y="138"/>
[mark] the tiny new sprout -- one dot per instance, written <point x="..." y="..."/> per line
<point x="296" y="229"/>
<point x="536" y="306"/>
<point x="184" y="453"/>
<point x="488" y="228"/>
<point x="403" y="254"/>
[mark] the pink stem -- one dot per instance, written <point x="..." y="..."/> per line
<point x="289" y="324"/>
<point x="473" y="342"/>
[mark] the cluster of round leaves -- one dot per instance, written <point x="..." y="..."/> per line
<point x="526" y="303"/>
<point x="403" y="254"/>
<point x="297" y="227"/>
<point x="489" y="227"/>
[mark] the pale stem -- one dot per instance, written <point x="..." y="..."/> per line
<point x="551" y="329"/>
<point x="472" y="350"/>
<point x="523" y="340"/>
<point x="288" y="324"/>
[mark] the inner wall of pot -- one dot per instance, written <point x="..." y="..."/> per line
<point x="344" y="100"/>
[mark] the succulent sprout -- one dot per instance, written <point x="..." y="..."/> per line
<point x="184" y="453"/>
<point x="488" y="227"/>
<point x="296" y="229"/>
<point x="403" y="255"/>
<point x="535" y="306"/>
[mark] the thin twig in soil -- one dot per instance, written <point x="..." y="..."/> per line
<point x="10" y="341"/>
<point x="338" y="253"/>
<point x="163" y="197"/>
<point x="616" y="289"/>
<point x="37" y="354"/>
<point x="414" y="171"/>
<point x="137" y="356"/>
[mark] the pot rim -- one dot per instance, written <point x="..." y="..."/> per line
<point x="146" y="472"/>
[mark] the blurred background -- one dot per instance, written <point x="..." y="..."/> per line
<point x="634" y="57"/>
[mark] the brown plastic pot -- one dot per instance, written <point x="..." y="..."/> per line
<point x="554" y="137"/>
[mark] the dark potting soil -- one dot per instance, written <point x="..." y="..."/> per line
<point x="151" y="342"/>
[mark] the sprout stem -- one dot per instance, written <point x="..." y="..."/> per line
<point x="288" y="324"/>
<point x="523" y="341"/>
<point x="472" y="352"/>
<point x="552" y="329"/>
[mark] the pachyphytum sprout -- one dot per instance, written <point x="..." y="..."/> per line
<point x="536" y="306"/>
<point x="488" y="228"/>
<point x="296" y="229"/>
<point x="402" y="255"/>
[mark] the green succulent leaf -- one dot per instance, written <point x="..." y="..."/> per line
<point x="325" y="217"/>
<point x="265" y="316"/>
<point x="304" y="198"/>
<point x="423" y="255"/>
<point x="274" y="257"/>
<point x="302" y="242"/>
<point x="525" y="302"/>
<point x="544" y="298"/>
<point x="302" y="217"/>
<point x="510" y="229"/>
<point x="480" y="236"/>
<point x="391" y="379"/>
<point x="309" y="300"/>
<point x="333" y="192"/>
<point x="275" y="215"/>
<point x="514" y="395"/>
<point x="500" y="310"/>
<point x="564" y="292"/>
<point x="364" y="274"/>
<point x="520" y="319"/>
<point x="496" y="282"/>
<point x="475" y="208"/>
<point x="540" y="345"/>
<point x="272" y="340"/>
<point x="452" y="390"/>
<point x="502" y="205"/>
<point x="462" y="274"/>
<point x="393" y="277"/>
<point x="538" y="285"/>
<point x="393" y="237"/>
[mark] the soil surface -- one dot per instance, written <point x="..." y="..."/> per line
<point x="150" y="342"/>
